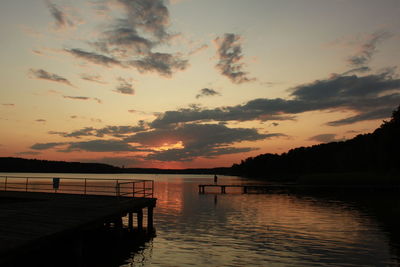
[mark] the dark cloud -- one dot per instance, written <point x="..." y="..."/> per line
<point x="182" y="143"/>
<point x="198" y="134"/>
<point x="368" y="49"/>
<point x="77" y="97"/>
<point x="92" y="78"/>
<point x="90" y="146"/>
<point x="45" y="146"/>
<point x="115" y="131"/>
<point x="60" y="17"/>
<point x="229" y="51"/>
<point x="8" y="105"/>
<point x="362" y="69"/>
<point x="341" y="88"/>
<point x="94" y="57"/>
<point x="258" y="109"/>
<point x="207" y="92"/>
<point x="197" y="140"/>
<point x="44" y="75"/>
<point x="324" y="138"/>
<point x="100" y="146"/>
<point x="189" y="155"/>
<point x="40" y="120"/>
<point x="162" y="63"/>
<point x="372" y="115"/>
<point x="83" y="98"/>
<point x="150" y="16"/>
<point x="367" y="96"/>
<point x="125" y="87"/>
<point x="131" y="39"/>
<point x="125" y="38"/>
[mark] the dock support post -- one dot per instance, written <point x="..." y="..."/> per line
<point x="244" y="189"/>
<point x="140" y="219"/>
<point x="149" y="218"/>
<point x="130" y="221"/>
<point x="223" y="189"/>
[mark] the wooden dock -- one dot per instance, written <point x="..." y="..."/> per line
<point x="31" y="219"/>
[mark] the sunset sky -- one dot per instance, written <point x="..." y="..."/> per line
<point x="192" y="83"/>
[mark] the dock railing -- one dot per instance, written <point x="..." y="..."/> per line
<point x="81" y="186"/>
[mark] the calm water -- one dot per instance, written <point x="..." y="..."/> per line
<point x="263" y="229"/>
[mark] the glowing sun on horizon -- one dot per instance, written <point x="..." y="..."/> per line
<point x="168" y="146"/>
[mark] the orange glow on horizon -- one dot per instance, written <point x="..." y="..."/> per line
<point x="167" y="146"/>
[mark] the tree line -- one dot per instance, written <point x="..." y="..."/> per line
<point x="373" y="152"/>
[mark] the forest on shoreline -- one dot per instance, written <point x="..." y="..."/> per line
<point x="372" y="153"/>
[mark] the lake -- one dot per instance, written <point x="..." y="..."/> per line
<point x="275" y="229"/>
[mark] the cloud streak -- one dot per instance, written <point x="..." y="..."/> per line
<point x="92" y="78"/>
<point x="324" y="138"/>
<point x="162" y="63"/>
<point x="94" y="57"/>
<point x="46" y="146"/>
<point x="368" y="49"/>
<point x="124" y="87"/>
<point x="44" y="75"/>
<point x="114" y="131"/>
<point x="100" y="146"/>
<point x="60" y="17"/>
<point x="207" y="92"/>
<point x="229" y="52"/>
<point x="84" y="98"/>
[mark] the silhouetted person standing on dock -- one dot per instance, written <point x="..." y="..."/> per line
<point x="215" y="179"/>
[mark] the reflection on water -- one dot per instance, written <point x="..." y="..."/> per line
<point x="263" y="229"/>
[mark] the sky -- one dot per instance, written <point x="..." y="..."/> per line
<point x="192" y="83"/>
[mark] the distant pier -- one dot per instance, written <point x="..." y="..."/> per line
<point x="245" y="188"/>
<point x="287" y="188"/>
<point x="38" y="210"/>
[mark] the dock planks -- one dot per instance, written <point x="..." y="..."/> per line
<point x="40" y="217"/>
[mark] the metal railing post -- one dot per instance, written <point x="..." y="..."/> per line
<point x="85" y="186"/>
<point x="26" y="184"/>
<point x="133" y="189"/>
<point x="5" y="184"/>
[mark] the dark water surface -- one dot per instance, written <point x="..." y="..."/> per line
<point x="237" y="229"/>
